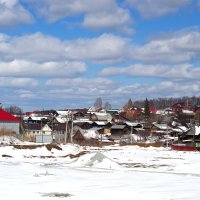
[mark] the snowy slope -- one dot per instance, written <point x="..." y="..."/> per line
<point x="112" y="172"/>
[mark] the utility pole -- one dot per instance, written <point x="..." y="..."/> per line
<point x="41" y="131"/>
<point x="131" y="134"/>
<point x="69" y="132"/>
<point x="72" y="128"/>
<point x="66" y="130"/>
<point x="52" y="128"/>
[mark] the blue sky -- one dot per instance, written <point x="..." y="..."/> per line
<point x="57" y="54"/>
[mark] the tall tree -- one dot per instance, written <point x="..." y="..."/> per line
<point x="98" y="103"/>
<point x="128" y="105"/>
<point x="147" y="108"/>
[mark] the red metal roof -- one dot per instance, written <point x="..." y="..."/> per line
<point x="153" y="110"/>
<point x="5" y="116"/>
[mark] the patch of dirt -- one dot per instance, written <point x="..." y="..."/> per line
<point x="68" y="155"/>
<point x="57" y="194"/>
<point x="169" y="158"/>
<point x="142" y="165"/>
<point x="43" y="157"/>
<point x="78" y="154"/>
<point x="48" y="146"/>
<point x="6" y="156"/>
<point x="27" y="146"/>
<point x="53" y="146"/>
<point x="145" y="145"/>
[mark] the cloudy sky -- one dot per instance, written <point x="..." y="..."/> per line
<point x="65" y="53"/>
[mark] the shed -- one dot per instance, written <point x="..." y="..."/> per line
<point x="119" y="129"/>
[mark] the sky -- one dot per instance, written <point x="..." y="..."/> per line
<point x="57" y="54"/>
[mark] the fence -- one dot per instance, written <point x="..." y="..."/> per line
<point x="43" y="139"/>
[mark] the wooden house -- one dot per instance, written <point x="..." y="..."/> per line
<point x="97" y="116"/>
<point x="83" y="125"/>
<point x="82" y="138"/>
<point x="39" y="129"/>
<point x="160" y="129"/>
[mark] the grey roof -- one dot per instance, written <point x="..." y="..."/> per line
<point x="116" y="126"/>
<point x="103" y="116"/>
<point x="162" y="126"/>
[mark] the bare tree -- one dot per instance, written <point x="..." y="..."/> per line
<point x="15" y="110"/>
<point x="98" y="103"/>
<point x="107" y="106"/>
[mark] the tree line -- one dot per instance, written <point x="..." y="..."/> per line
<point x="162" y="103"/>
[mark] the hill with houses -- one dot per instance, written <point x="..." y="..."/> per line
<point x="130" y="125"/>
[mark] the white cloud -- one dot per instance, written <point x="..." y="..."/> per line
<point x="114" y="20"/>
<point x="103" y="14"/>
<point x="37" y="47"/>
<point x="12" y="13"/>
<point x="79" y="81"/>
<point x="106" y="48"/>
<point x="178" y="47"/>
<point x="25" y="94"/>
<point x="162" y="89"/>
<point x="17" y="82"/>
<point x="157" y="8"/>
<point x="80" y="87"/>
<point x="3" y="37"/>
<point x="80" y="90"/>
<point x="22" y="68"/>
<point x="49" y="56"/>
<point x="162" y="71"/>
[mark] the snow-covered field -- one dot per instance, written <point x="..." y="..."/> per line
<point x="112" y="172"/>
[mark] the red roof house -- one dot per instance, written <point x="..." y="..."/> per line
<point x="9" y="122"/>
<point x="5" y="116"/>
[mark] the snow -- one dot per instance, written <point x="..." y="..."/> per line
<point x="110" y="172"/>
<point x="183" y="128"/>
<point x="197" y="130"/>
<point x="188" y="111"/>
<point x="6" y="140"/>
<point x="61" y="119"/>
<point x="97" y="160"/>
<point x="101" y="123"/>
<point x="90" y="133"/>
<point x="132" y="123"/>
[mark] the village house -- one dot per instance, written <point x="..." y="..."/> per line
<point x="131" y="114"/>
<point x="89" y="137"/>
<point x="160" y="129"/>
<point x="86" y="137"/>
<point x="38" y="129"/>
<point x="97" y="116"/>
<point x="180" y="106"/>
<point x="9" y="122"/>
<point x="119" y="131"/>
